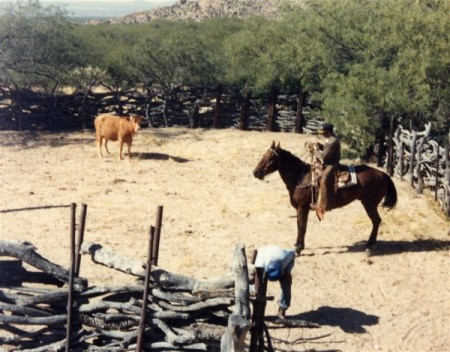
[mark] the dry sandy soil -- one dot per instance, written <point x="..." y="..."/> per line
<point x="397" y="299"/>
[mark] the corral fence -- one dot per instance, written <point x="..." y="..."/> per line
<point x="185" y="106"/>
<point x="54" y="309"/>
<point x="419" y="159"/>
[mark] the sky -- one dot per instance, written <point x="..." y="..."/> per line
<point x="102" y="8"/>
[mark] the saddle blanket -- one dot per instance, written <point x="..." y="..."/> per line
<point x="347" y="177"/>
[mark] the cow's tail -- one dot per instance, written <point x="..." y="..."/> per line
<point x="390" y="199"/>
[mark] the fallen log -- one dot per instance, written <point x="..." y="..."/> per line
<point x="167" y="346"/>
<point x="48" y="298"/>
<point x="26" y="252"/>
<point x="57" y="346"/>
<point x="33" y="312"/>
<point x="95" y="291"/>
<point x="184" y="312"/>
<point x="159" y="276"/>
<point x="50" y="320"/>
<point x="104" y="306"/>
<point x="195" y="307"/>
<point x="183" y="337"/>
<point x="110" y="259"/>
<point x="175" y="297"/>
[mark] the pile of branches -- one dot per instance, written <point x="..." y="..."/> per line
<point x="424" y="162"/>
<point x="182" y="314"/>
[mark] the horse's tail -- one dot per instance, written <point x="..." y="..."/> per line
<point x="390" y="199"/>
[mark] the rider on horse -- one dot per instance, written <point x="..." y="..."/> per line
<point x="327" y="160"/>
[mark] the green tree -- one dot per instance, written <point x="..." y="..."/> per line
<point x="378" y="60"/>
<point x="110" y="55"/>
<point x="37" y="50"/>
<point x="37" y="47"/>
<point x="172" y="54"/>
<point x="253" y="63"/>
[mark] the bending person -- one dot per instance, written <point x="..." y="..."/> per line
<point x="278" y="264"/>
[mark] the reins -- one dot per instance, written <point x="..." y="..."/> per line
<point x="295" y="170"/>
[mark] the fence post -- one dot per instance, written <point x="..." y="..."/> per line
<point x="390" y="161"/>
<point x="436" y="179"/>
<point x="412" y="159"/>
<point x="73" y="208"/>
<point x="155" y="253"/>
<point x="80" y="239"/>
<point x="259" y="308"/>
<point x="238" y="322"/>
<point x="447" y="176"/>
<point x="218" y="106"/>
<point x="141" y="331"/>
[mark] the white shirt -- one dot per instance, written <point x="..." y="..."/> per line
<point x="271" y="253"/>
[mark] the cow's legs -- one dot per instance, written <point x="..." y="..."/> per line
<point x="120" y="149"/>
<point x="99" y="145"/>
<point x="129" y="150"/>
<point x="106" y="146"/>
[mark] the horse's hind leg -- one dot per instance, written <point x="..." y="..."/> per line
<point x="372" y="212"/>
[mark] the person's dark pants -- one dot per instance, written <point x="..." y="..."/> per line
<point x="285" y="284"/>
<point x="327" y="189"/>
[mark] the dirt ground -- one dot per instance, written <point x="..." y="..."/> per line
<point x="397" y="299"/>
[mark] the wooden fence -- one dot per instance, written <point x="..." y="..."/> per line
<point x="425" y="164"/>
<point x="161" y="311"/>
<point x="31" y="110"/>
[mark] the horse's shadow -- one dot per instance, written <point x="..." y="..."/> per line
<point x="160" y="156"/>
<point x="388" y="247"/>
<point x="420" y="245"/>
<point x="348" y="319"/>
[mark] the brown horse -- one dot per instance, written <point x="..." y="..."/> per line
<point x="372" y="186"/>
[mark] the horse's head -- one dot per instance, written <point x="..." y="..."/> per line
<point x="268" y="162"/>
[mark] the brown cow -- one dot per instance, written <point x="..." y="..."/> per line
<point x="111" y="127"/>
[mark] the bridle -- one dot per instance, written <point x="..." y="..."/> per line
<point x="274" y="152"/>
<point x="295" y="170"/>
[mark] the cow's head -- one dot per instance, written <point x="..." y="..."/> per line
<point x="136" y="121"/>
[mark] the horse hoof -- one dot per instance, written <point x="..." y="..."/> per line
<point x="369" y="251"/>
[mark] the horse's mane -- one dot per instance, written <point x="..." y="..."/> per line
<point x="287" y="154"/>
<point x="294" y="171"/>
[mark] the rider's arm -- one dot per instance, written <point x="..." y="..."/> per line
<point x="318" y="148"/>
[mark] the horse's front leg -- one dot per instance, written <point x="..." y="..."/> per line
<point x="302" y="222"/>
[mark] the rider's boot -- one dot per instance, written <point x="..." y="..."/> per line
<point x="319" y="211"/>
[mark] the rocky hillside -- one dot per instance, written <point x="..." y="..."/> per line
<point x="199" y="10"/>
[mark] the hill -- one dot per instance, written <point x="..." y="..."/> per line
<point x="199" y="10"/>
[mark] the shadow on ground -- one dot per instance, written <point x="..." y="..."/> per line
<point x="384" y="247"/>
<point x="160" y="156"/>
<point x="348" y="319"/>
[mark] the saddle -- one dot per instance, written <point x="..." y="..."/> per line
<point x="346" y="176"/>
